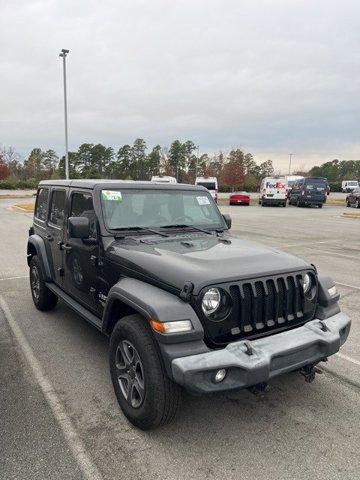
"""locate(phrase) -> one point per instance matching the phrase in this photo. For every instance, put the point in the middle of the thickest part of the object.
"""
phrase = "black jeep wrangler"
(184, 303)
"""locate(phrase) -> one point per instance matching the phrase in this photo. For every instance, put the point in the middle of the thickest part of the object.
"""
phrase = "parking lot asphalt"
(296, 431)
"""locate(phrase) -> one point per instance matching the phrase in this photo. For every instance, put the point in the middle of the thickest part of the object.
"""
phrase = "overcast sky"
(272, 76)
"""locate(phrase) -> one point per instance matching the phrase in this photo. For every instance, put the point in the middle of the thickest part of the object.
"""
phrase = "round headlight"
(306, 283)
(211, 301)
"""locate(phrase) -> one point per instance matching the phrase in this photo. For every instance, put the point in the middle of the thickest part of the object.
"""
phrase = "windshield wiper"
(184, 225)
(138, 229)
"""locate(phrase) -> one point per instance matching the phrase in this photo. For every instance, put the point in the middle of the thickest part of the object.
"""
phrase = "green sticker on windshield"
(112, 195)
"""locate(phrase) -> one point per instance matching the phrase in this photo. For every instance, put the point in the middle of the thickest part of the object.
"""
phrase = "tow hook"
(259, 389)
(308, 372)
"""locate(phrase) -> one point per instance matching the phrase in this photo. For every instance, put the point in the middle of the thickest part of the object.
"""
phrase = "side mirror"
(227, 219)
(79, 227)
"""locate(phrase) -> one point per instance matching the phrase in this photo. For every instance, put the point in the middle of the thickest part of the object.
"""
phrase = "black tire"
(284, 204)
(320, 205)
(348, 203)
(161, 397)
(298, 203)
(43, 298)
(357, 204)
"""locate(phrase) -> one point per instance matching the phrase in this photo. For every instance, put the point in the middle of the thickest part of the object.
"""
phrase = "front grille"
(262, 306)
(267, 303)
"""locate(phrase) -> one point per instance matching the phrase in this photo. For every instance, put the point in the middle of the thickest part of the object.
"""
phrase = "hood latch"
(186, 291)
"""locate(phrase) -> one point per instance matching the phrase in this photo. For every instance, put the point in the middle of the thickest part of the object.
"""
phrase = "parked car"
(239, 198)
(210, 183)
(348, 186)
(309, 191)
(273, 192)
(290, 181)
(164, 179)
(353, 199)
(185, 304)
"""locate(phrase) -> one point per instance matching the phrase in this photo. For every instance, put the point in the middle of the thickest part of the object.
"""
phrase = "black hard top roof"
(129, 184)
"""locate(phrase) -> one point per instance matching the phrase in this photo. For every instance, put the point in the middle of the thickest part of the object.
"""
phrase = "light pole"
(63, 54)
(290, 156)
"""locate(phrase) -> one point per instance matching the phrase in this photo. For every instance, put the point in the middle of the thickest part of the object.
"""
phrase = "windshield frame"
(142, 189)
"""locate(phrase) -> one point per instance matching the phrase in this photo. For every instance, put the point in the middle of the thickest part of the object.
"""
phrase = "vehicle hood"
(201, 260)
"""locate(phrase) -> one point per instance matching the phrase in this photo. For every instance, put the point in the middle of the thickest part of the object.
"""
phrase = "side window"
(82, 206)
(57, 207)
(42, 204)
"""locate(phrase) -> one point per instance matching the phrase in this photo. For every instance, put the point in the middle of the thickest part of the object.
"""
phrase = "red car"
(239, 198)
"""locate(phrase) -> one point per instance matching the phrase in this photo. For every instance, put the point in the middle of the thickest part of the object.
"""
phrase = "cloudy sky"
(271, 76)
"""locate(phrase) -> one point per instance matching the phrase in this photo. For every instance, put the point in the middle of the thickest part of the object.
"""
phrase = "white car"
(165, 179)
(349, 186)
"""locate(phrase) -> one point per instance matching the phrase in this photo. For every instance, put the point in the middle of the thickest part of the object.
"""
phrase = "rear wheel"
(320, 205)
(146, 395)
(357, 204)
(348, 203)
(43, 298)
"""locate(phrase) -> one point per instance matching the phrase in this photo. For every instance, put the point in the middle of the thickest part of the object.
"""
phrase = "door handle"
(49, 237)
(65, 247)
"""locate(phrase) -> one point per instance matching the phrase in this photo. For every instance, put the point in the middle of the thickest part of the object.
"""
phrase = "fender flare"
(38, 243)
(152, 303)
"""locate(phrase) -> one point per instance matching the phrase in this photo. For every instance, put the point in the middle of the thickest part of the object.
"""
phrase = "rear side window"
(82, 206)
(57, 208)
(42, 204)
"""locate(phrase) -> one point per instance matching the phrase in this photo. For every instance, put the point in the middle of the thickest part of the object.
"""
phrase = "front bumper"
(271, 356)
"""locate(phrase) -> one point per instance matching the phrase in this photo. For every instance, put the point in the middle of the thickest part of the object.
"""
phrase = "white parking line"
(352, 257)
(81, 456)
(307, 244)
(13, 278)
(349, 359)
(347, 285)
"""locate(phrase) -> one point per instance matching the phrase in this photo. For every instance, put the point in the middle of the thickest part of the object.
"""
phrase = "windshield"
(208, 185)
(154, 208)
(315, 184)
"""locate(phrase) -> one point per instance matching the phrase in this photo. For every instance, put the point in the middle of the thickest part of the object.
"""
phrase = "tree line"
(234, 169)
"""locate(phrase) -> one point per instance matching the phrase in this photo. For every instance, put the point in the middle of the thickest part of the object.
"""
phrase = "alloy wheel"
(130, 373)
(35, 282)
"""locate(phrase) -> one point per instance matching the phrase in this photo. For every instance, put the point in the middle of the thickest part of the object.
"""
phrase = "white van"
(164, 179)
(273, 191)
(349, 186)
(210, 183)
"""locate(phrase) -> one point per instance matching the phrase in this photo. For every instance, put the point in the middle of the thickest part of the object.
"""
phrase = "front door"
(55, 233)
(81, 257)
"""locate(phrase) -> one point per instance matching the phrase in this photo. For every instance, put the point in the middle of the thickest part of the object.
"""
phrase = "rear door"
(55, 233)
(315, 190)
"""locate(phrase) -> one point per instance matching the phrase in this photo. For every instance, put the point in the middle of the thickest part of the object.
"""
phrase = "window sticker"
(203, 200)
(112, 195)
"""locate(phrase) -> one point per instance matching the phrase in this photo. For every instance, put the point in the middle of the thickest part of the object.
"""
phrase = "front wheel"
(357, 204)
(146, 395)
(348, 203)
(43, 298)
(320, 205)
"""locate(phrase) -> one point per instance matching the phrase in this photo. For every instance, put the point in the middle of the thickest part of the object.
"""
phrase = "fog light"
(220, 375)
(333, 291)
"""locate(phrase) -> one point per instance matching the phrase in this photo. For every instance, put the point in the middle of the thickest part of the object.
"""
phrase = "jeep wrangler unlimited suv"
(184, 303)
